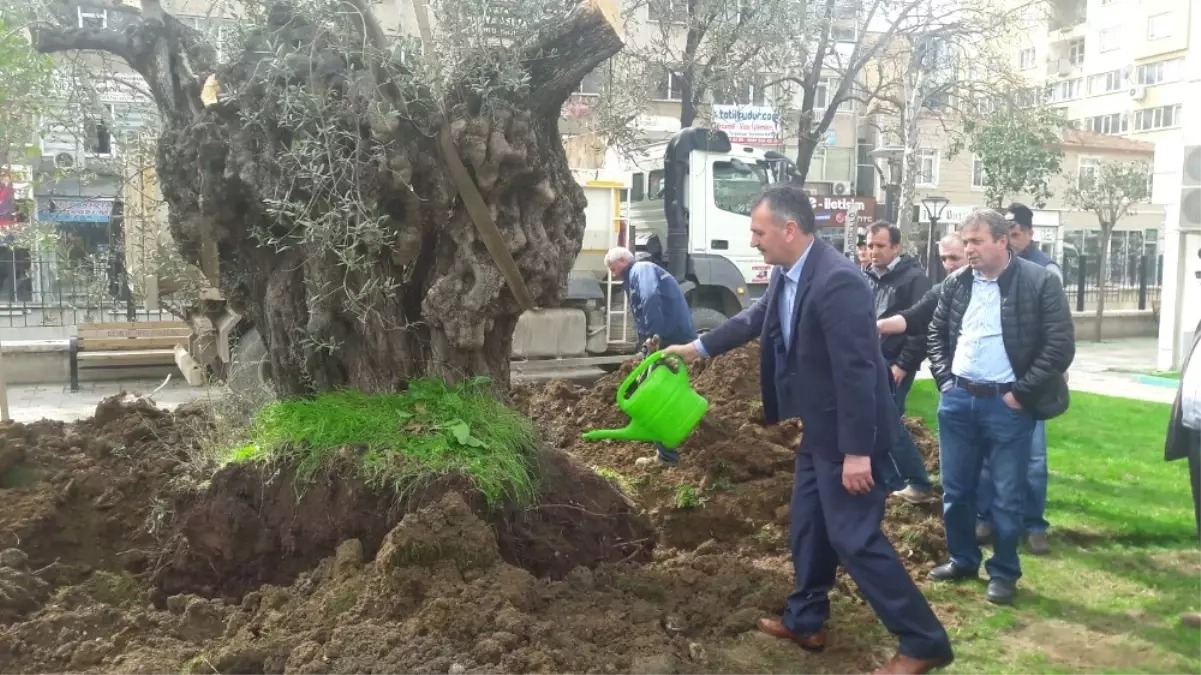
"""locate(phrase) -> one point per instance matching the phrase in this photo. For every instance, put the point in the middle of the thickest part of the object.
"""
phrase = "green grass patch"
(1124, 562)
(397, 440)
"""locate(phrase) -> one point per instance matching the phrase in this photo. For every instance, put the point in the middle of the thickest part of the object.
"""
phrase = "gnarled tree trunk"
(318, 184)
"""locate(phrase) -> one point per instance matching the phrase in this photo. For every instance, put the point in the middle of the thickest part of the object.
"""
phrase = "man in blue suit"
(821, 362)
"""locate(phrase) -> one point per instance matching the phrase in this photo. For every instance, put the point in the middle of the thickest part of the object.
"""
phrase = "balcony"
(1062, 67)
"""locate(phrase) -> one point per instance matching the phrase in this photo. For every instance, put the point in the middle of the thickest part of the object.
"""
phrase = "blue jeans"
(669, 455)
(1035, 519)
(906, 467)
(970, 429)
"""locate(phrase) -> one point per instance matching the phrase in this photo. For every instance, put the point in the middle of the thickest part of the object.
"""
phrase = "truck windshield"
(734, 189)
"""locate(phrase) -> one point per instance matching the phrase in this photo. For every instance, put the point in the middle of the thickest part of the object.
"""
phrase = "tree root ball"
(256, 526)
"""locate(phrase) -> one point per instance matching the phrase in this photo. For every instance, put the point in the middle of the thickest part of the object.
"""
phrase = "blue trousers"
(970, 429)
(1035, 510)
(666, 454)
(906, 466)
(830, 526)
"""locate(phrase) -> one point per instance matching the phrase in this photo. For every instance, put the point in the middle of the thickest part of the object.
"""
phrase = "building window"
(826, 89)
(1163, 117)
(977, 173)
(98, 137)
(1159, 72)
(1105, 83)
(1111, 39)
(213, 30)
(92, 17)
(1026, 58)
(668, 10)
(840, 32)
(1065, 90)
(1076, 52)
(669, 87)
(927, 167)
(739, 93)
(1117, 123)
(1087, 176)
(1159, 26)
(593, 83)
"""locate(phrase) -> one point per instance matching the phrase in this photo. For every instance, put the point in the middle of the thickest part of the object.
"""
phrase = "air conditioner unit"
(1138, 93)
(842, 188)
(64, 160)
(1190, 190)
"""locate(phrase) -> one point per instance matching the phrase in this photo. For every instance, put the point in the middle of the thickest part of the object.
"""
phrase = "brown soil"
(120, 560)
(252, 526)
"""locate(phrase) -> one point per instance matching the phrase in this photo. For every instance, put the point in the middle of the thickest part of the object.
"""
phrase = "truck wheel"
(250, 368)
(705, 319)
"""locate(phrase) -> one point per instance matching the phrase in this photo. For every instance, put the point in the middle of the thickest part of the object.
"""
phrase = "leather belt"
(983, 389)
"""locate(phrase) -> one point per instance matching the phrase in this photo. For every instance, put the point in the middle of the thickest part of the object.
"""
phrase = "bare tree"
(943, 71)
(697, 50)
(1111, 190)
(377, 216)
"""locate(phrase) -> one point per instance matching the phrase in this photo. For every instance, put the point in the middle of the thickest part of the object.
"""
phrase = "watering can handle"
(645, 365)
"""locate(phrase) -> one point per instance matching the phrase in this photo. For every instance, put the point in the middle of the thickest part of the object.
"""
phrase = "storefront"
(833, 213)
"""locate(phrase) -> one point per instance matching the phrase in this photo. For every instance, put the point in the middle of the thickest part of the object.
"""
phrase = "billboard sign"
(749, 124)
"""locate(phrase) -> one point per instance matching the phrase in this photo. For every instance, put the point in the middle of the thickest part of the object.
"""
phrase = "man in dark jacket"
(820, 361)
(1000, 341)
(1021, 242)
(916, 319)
(659, 308)
(898, 282)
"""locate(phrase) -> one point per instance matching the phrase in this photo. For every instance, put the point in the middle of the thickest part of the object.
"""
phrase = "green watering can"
(663, 407)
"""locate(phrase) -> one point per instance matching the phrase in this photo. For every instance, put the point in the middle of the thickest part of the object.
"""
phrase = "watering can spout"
(633, 432)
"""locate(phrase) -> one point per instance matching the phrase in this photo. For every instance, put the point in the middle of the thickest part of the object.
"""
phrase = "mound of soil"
(258, 525)
(84, 496)
(734, 482)
(114, 557)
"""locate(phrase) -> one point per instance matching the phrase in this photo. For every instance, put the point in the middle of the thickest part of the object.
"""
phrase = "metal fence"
(1132, 282)
(45, 289)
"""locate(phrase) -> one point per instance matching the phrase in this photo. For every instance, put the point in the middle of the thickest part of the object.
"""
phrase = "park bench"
(125, 345)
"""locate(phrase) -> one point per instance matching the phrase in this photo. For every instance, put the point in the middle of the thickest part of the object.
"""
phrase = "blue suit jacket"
(834, 372)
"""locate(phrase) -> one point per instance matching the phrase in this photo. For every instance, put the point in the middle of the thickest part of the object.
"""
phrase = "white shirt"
(1190, 394)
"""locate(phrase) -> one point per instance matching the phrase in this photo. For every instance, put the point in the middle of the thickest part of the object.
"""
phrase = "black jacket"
(1036, 325)
(898, 289)
(917, 323)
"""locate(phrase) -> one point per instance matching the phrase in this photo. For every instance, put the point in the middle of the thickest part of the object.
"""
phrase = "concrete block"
(550, 333)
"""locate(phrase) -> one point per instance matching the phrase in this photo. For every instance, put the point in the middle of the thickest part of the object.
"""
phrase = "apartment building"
(1112, 66)
(1115, 69)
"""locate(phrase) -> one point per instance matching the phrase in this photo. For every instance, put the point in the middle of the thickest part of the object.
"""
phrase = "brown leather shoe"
(813, 642)
(900, 664)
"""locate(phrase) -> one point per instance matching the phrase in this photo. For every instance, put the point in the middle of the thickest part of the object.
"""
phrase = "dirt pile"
(115, 556)
(256, 525)
(734, 482)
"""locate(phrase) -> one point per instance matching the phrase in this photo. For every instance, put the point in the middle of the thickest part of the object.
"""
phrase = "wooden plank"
(118, 325)
(131, 344)
(93, 333)
(130, 356)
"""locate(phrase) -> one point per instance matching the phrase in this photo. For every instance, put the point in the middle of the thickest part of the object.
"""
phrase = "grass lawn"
(1125, 562)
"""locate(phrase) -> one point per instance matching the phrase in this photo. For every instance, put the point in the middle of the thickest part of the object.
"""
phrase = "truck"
(684, 204)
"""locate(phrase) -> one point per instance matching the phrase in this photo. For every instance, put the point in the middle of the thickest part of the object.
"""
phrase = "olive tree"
(380, 206)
